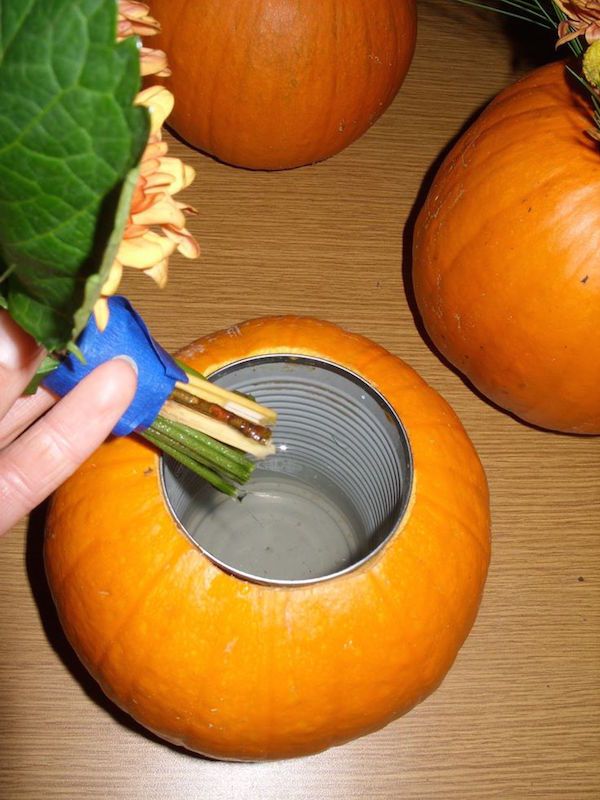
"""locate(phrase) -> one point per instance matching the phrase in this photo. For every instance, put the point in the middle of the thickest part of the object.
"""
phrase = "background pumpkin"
(273, 84)
(507, 255)
(238, 670)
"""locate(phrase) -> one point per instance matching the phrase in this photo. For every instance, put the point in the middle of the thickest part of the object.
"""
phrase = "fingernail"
(116, 392)
(129, 361)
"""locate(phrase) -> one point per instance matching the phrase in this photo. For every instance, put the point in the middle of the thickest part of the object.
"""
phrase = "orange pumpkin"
(507, 255)
(239, 670)
(278, 84)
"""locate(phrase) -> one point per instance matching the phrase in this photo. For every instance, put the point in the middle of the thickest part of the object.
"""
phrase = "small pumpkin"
(507, 255)
(238, 670)
(278, 84)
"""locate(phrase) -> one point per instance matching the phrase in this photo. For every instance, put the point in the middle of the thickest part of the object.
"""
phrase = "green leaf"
(47, 366)
(95, 282)
(69, 138)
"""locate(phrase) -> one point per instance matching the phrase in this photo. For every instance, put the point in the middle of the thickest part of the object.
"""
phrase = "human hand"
(36, 459)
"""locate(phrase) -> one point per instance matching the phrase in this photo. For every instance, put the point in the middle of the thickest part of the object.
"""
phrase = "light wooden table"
(518, 716)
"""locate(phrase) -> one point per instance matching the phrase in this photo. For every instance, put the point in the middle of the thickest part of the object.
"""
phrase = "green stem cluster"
(212, 460)
(528, 10)
(219, 464)
(215, 462)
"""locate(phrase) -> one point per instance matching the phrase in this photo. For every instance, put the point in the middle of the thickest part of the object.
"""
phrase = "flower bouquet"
(89, 189)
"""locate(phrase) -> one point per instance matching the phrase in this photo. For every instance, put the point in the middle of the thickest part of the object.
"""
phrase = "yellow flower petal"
(159, 273)
(101, 313)
(139, 14)
(161, 176)
(163, 212)
(159, 102)
(155, 151)
(114, 278)
(181, 174)
(157, 183)
(133, 231)
(186, 208)
(186, 244)
(154, 62)
(169, 177)
(144, 252)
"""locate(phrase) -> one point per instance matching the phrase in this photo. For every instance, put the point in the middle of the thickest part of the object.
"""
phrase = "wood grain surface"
(519, 714)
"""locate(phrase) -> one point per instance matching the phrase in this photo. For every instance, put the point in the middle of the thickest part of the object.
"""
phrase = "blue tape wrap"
(125, 335)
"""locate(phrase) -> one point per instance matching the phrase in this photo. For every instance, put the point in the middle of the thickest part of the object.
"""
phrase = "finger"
(22, 413)
(52, 449)
(19, 357)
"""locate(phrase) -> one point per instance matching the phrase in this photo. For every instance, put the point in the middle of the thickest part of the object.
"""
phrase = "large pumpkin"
(239, 670)
(273, 84)
(507, 255)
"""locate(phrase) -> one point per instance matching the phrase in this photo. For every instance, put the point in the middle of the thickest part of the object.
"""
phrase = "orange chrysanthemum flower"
(583, 19)
(156, 226)
(134, 20)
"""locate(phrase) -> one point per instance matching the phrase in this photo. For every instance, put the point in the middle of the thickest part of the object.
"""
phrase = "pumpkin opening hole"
(331, 496)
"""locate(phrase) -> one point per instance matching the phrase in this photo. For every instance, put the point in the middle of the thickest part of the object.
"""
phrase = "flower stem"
(213, 454)
(171, 449)
(211, 459)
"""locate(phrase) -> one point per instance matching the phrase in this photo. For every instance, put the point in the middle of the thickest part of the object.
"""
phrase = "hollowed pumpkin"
(239, 670)
(279, 84)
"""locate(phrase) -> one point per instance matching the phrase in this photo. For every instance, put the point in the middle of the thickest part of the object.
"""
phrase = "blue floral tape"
(125, 335)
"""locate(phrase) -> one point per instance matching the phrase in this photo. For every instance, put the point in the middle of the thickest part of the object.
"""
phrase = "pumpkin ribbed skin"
(274, 84)
(239, 670)
(507, 255)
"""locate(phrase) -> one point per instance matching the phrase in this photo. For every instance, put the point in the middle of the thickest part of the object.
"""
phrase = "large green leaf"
(69, 138)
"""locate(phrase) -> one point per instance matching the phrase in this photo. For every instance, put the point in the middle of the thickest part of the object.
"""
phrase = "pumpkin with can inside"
(248, 666)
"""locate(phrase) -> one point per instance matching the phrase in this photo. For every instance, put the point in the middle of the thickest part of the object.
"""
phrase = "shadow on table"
(34, 560)
(531, 44)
